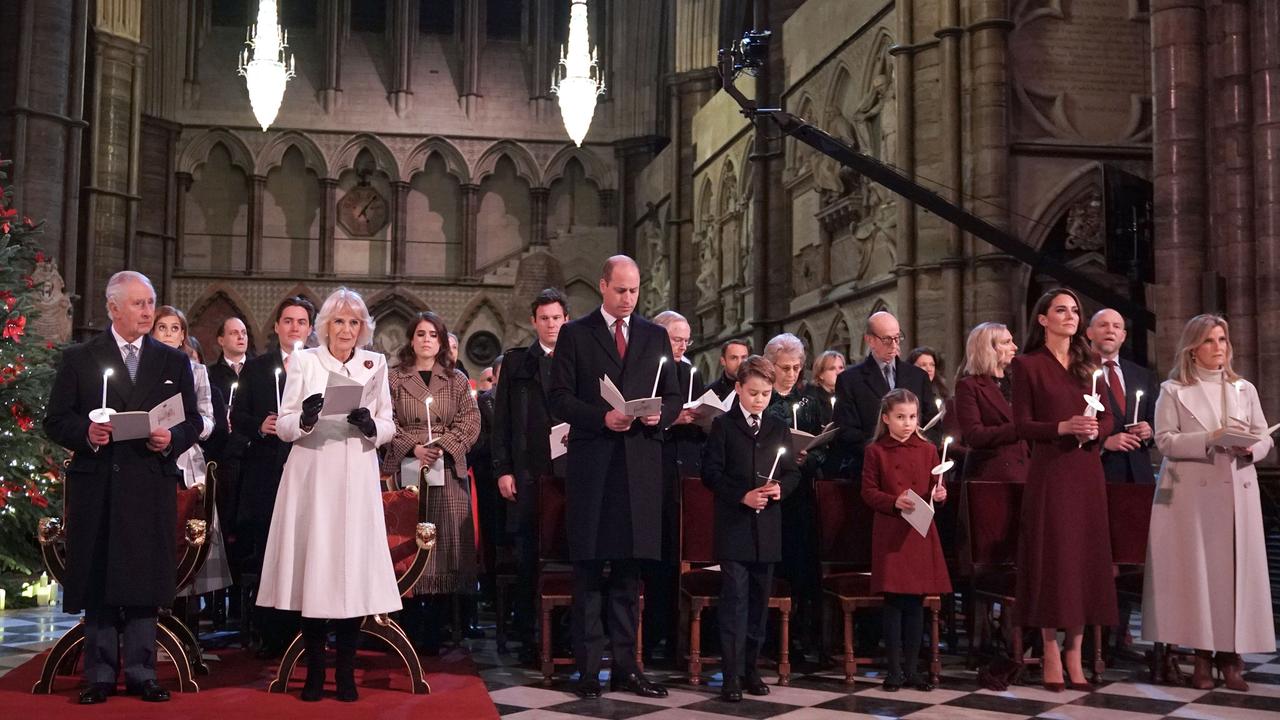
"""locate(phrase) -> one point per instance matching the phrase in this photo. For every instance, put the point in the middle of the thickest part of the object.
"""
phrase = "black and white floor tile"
(815, 693)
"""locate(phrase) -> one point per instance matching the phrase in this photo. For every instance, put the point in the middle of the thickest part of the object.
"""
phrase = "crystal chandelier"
(576, 82)
(265, 65)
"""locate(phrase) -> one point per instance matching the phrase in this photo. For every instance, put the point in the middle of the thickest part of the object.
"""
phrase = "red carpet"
(236, 688)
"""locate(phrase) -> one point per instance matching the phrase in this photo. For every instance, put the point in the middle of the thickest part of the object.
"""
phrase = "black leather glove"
(311, 410)
(361, 419)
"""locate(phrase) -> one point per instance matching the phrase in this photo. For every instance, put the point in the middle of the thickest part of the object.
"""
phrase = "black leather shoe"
(731, 691)
(637, 684)
(149, 691)
(921, 682)
(754, 685)
(97, 693)
(892, 683)
(587, 688)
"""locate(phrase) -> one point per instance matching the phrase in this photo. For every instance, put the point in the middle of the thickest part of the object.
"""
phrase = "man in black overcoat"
(121, 496)
(614, 482)
(253, 416)
(861, 387)
(520, 445)
(233, 339)
(1126, 452)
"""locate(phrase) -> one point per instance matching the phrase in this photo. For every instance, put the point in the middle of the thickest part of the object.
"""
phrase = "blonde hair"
(784, 343)
(892, 399)
(980, 355)
(1194, 332)
(825, 358)
(344, 299)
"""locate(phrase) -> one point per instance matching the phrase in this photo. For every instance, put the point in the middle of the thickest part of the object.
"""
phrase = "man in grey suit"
(121, 494)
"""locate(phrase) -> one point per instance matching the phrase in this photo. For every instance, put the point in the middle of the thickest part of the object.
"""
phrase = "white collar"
(229, 361)
(1114, 358)
(609, 320)
(121, 342)
(747, 415)
(545, 350)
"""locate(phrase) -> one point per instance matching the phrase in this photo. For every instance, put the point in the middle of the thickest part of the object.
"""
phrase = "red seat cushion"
(844, 523)
(697, 508)
(707, 583)
(400, 510)
(849, 585)
(553, 535)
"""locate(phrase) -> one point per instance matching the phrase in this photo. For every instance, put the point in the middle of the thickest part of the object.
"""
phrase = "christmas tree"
(30, 486)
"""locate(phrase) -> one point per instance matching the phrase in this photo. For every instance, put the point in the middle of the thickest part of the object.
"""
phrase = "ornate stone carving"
(708, 263)
(1085, 228)
(53, 307)
(657, 265)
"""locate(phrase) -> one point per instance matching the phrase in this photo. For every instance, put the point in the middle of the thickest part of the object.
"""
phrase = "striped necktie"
(131, 361)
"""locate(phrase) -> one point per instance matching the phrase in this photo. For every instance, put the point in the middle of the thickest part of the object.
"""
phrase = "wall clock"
(363, 211)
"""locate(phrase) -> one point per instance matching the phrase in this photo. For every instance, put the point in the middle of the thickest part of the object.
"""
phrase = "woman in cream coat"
(1206, 583)
(327, 553)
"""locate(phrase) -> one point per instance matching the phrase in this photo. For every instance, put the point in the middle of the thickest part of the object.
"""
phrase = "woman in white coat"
(1206, 583)
(326, 554)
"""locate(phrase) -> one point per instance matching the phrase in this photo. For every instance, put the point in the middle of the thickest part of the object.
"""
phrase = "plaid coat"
(455, 417)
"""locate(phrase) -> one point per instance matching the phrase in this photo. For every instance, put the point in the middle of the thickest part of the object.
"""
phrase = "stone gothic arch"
(197, 150)
(272, 155)
(526, 166)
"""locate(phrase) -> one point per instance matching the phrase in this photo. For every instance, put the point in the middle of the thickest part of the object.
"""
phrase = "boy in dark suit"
(749, 464)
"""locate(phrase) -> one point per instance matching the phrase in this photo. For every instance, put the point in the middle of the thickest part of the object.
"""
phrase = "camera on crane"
(749, 53)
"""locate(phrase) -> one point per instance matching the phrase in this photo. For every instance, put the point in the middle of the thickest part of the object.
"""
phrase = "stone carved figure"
(708, 263)
(53, 318)
(659, 266)
(1084, 224)
(832, 179)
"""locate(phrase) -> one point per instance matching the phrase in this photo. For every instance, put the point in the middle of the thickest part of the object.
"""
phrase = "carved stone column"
(182, 186)
(404, 36)
(949, 35)
(473, 35)
(328, 217)
(335, 16)
(904, 93)
(470, 199)
(399, 228)
(1177, 41)
(631, 156)
(538, 215)
(687, 92)
(197, 14)
(1231, 149)
(253, 247)
(1264, 45)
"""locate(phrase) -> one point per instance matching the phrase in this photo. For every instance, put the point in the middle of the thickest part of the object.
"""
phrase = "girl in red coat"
(905, 567)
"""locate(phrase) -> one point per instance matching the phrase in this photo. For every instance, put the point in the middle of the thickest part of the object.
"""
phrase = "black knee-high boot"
(313, 640)
(348, 637)
(892, 623)
(912, 634)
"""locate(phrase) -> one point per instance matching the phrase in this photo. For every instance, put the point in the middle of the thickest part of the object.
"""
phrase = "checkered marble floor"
(815, 692)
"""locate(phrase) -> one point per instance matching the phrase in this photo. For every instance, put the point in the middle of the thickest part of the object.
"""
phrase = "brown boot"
(1202, 675)
(1231, 665)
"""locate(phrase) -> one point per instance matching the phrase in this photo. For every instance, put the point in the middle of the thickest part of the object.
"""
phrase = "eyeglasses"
(892, 340)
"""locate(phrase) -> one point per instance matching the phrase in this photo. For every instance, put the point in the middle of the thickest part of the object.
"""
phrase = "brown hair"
(756, 366)
(549, 296)
(296, 301)
(1080, 356)
(940, 389)
(165, 311)
(724, 349)
(891, 400)
(405, 357)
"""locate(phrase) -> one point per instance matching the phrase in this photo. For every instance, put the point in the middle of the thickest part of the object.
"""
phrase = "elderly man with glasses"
(860, 387)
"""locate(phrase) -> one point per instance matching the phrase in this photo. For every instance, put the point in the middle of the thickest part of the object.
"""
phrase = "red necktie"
(619, 339)
(1115, 385)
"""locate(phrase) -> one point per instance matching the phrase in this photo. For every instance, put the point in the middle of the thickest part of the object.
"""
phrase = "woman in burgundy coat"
(1064, 548)
(984, 417)
(905, 566)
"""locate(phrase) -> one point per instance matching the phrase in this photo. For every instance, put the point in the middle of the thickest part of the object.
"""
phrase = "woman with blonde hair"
(983, 411)
(1206, 581)
(326, 554)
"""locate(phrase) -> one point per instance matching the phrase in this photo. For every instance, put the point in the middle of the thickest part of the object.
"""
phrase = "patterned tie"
(131, 361)
(887, 369)
(237, 367)
(619, 339)
(755, 424)
(1115, 385)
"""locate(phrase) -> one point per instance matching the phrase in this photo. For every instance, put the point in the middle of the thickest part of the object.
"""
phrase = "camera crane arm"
(751, 54)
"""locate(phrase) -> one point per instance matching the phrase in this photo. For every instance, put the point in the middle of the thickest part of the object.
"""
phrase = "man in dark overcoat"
(121, 496)
(615, 479)
(253, 416)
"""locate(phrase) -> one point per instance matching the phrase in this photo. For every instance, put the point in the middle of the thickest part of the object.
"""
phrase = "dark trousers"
(589, 592)
(103, 628)
(903, 628)
(524, 603)
(744, 612)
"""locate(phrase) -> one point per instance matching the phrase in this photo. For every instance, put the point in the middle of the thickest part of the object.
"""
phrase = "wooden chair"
(411, 539)
(700, 588)
(555, 586)
(195, 508)
(844, 550)
(1129, 517)
(990, 551)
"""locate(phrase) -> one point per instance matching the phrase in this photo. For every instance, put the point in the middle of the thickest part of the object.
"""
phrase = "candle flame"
(297, 345)
(782, 451)
(278, 371)
(936, 401)
(108, 372)
(1097, 373)
(430, 400)
(693, 370)
(948, 440)
(1138, 393)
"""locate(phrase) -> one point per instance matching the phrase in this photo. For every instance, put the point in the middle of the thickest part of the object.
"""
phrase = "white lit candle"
(661, 361)
(105, 374)
(3, 598)
(278, 371)
(833, 403)
(429, 401)
(692, 370)
(781, 451)
(937, 403)
(1137, 403)
(232, 397)
(1096, 374)
(946, 443)
(795, 416)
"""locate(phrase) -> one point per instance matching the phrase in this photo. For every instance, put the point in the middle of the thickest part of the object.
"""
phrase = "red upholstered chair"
(700, 588)
(1129, 517)
(195, 509)
(844, 551)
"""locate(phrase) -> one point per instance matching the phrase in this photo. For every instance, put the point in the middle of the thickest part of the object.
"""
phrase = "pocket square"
(168, 382)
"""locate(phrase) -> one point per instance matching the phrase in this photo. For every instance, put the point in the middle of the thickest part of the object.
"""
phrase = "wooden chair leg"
(850, 664)
(1099, 666)
(935, 655)
(784, 647)
(682, 630)
(639, 636)
(695, 645)
(548, 666)
(1018, 661)
(1157, 663)
(974, 630)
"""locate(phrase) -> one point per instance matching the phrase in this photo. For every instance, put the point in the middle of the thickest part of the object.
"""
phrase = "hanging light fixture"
(576, 81)
(265, 65)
